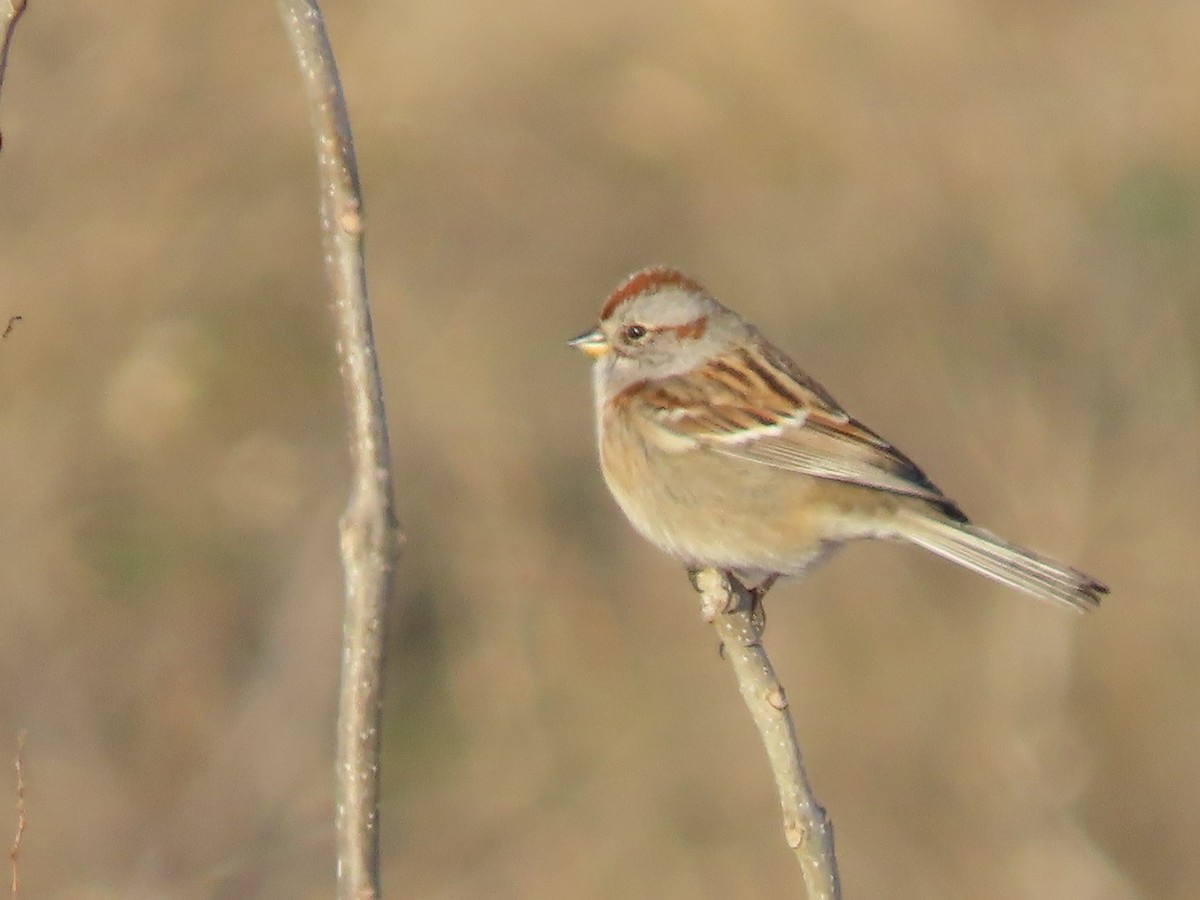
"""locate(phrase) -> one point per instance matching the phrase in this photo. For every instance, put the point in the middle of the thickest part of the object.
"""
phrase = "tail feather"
(1008, 564)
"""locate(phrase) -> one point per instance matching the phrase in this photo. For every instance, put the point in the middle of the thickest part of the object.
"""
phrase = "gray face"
(660, 334)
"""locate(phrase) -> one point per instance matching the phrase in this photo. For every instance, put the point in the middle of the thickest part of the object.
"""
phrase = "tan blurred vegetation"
(976, 222)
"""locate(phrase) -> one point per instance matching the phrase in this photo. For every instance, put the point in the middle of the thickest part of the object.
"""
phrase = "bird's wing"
(755, 404)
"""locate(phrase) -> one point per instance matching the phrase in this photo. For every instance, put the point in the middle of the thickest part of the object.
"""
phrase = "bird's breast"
(709, 509)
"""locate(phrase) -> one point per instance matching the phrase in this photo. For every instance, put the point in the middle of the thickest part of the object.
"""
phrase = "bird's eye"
(635, 332)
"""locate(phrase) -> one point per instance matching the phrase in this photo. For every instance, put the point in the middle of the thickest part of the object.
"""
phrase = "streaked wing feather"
(807, 451)
(755, 404)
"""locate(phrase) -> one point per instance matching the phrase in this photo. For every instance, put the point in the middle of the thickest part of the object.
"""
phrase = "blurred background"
(975, 222)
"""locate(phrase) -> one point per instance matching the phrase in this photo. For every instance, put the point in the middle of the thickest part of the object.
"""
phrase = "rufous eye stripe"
(692, 330)
(648, 281)
(687, 331)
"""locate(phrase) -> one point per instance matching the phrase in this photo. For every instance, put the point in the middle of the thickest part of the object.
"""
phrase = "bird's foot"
(758, 612)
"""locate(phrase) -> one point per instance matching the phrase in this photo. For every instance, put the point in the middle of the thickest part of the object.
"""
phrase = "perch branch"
(728, 605)
(370, 536)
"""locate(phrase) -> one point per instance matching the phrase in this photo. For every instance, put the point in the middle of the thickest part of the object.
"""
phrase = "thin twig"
(12, 322)
(10, 14)
(15, 852)
(727, 604)
(370, 536)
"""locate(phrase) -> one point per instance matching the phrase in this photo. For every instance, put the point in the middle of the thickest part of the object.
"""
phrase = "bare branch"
(15, 852)
(727, 604)
(370, 536)
(10, 14)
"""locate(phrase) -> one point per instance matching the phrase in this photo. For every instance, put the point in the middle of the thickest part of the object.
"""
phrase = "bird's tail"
(1008, 564)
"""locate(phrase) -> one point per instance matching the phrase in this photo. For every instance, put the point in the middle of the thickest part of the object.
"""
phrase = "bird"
(723, 453)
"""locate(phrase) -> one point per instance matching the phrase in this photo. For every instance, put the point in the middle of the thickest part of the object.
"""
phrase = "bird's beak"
(593, 343)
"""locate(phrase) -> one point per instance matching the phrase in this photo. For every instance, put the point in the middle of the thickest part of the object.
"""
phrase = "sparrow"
(723, 453)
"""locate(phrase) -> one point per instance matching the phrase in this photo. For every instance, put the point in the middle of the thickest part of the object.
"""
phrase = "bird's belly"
(712, 510)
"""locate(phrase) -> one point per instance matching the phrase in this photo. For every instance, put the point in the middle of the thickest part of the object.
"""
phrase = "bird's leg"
(760, 590)
(758, 612)
(711, 607)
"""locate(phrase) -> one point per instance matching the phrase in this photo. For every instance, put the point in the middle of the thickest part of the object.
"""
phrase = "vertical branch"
(14, 853)
(727, 604)
(10, 14)
(370, 537)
